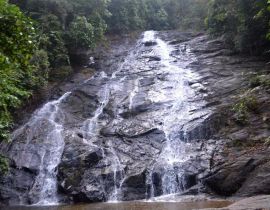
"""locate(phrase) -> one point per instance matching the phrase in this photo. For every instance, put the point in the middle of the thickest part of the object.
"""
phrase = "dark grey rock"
(129, 137)
(150, 43)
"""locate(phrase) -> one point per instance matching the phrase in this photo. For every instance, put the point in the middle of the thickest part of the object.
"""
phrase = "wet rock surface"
(240, 168)
(156, 119)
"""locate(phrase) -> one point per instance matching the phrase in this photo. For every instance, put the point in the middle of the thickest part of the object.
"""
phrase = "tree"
(81, 33)
(18, 44)
(243, 23)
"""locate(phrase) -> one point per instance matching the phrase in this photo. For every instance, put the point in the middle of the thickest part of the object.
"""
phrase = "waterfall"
(132, 115)
(174, 152)
(45, 186)
(133, 93)
(90, 126)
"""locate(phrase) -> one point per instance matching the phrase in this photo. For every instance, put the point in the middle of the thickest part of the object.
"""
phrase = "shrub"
(242, 108)
(41, 64)
(4, 166)
(260, 80)
(255, 81)
(267, 141)
(60, 73)
(17, 41)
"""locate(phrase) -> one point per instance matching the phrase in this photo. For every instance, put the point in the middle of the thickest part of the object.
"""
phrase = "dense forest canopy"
(244, 24)
(39, 37)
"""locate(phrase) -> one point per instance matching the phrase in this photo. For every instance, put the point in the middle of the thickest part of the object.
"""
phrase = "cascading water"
(90, 126)
(174, 152)
(45, 186)
(129, 124)
(133, 93)
(91, 129)
(117, 169)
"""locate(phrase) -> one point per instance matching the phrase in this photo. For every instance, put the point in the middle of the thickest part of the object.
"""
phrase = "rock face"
(89, 172)
(153, 121)
(240, 167)
(252, 203)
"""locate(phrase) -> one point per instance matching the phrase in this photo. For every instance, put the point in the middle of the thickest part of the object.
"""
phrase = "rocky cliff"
(160, 116)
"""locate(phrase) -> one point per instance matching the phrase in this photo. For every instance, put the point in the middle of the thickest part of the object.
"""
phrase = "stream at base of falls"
(133, 206)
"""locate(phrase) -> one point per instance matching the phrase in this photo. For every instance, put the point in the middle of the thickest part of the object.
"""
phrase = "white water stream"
(175, 89)
(45, 186)
(175, 151)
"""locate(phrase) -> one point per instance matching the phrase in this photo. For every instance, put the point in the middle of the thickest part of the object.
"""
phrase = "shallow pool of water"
(132, 206)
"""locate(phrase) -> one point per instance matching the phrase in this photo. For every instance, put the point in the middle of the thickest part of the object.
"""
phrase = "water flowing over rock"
(135, 130)
(37, 149)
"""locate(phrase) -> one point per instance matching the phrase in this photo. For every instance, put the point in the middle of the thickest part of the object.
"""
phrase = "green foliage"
(267, 141)
(255, 81)
(59, 73)
(51, 39)
(187, 14)
(243, 107)
(244, 24)
(245, 143)
(81, 33)
(4, 166)
(237, 143)
(17, 75)
(17, 40)
(41, 64)
(57, 51)
(66, 26)
(241, 112)
(129, 15)
(260, 80)
(99, 26)
(126, 15)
